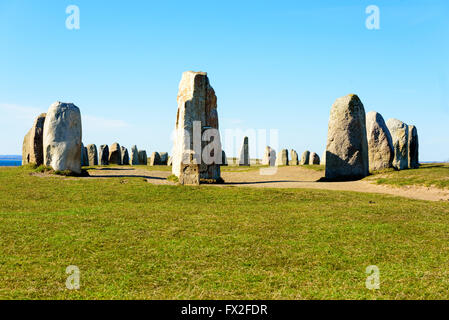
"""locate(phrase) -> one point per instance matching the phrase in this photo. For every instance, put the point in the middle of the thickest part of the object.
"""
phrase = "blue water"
(10, 161)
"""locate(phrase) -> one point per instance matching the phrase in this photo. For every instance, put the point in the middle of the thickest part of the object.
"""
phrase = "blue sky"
(273, 64)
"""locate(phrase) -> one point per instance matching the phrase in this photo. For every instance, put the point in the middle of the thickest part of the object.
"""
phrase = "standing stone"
(305, 158)
(244, 153)
(347, 146)
(125, 156)
(269, 157)
(134, 156)
(164, 158)
(413, 147)
(92, 155)
(399, 135)
(224, 160)
(62, 137)
(155, 159)
(104, 155)
(143, 158)
(380, 144)
(115, 154)
(282, 158)
(294, 158)
(84, 156)
(197, 115)
(33, 143)
(314, 159)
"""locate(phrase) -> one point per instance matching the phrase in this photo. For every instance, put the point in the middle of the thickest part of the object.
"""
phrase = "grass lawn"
(131, 239)
(429, 175)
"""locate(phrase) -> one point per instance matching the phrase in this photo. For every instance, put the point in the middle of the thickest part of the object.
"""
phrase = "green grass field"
(134, 240)
(428, 175)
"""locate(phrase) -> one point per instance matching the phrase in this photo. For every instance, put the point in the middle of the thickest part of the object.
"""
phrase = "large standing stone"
(104, 155)
(269, 157)
(282, 158)
(347, 146)
(224, 160)
(294, 158)
(314, 159)
(164, 158)
(244, 153)
(143, 158)
(305, 158)
(33, 143)
(134, 156)
(155, 159)
(399, 135)
(62, 137)
(197, 115)
(413, 147)
(92, 155)
(115, 154)
(380, 145)
(125, 156)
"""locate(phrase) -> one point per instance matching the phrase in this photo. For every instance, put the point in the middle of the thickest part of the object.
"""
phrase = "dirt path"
(284, 177)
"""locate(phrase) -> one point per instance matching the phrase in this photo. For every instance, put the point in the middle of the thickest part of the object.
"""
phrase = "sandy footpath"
(284, 177)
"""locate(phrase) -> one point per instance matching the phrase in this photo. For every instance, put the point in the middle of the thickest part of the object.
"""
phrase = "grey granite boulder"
(399, 134)
(125, 156)
(92, 155)
(413, 147)
(282, 158)
(62, 137)
(115, 154)
(380, 144)
(33, 143)
(305, 158)
(347, 145)
(104, 155)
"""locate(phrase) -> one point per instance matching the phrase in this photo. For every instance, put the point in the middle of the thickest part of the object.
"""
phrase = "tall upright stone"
(413, 147)
(155, 159)
(399, 134)
(84, 156)
(293, 158)
(305, 158)
(104, 155)
(33, 143)
(134, 156)
(115, 154)
(125, 156)
(244, 153)
(197, 116)
(269, 157)
(347, 145)
(282, 158)
(380, 144)
(62, 137)
(314, 159)
(143, 158)
(163, 158)
(92, 155)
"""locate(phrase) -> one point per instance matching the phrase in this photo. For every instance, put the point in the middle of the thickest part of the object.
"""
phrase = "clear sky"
(273, 64)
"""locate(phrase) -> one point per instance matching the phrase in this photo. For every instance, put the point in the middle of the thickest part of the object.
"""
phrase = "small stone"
(294, 158)
(399, 134)
(125, 156)
(314, 159)
(244, 153)
(134, 156)
(143, 159)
